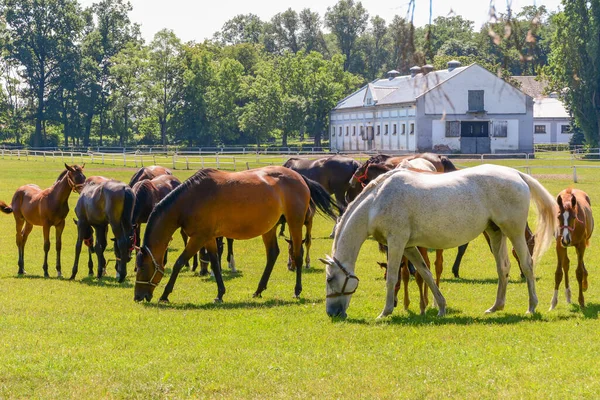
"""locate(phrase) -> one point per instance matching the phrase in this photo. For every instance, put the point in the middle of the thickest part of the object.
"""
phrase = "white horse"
(405, 209)
(417, 163)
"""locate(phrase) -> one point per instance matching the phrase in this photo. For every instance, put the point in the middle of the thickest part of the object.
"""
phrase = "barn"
(464, 109)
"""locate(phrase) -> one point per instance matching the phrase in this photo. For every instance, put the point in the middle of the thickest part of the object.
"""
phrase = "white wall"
(510, 142)
(452, 96)
(542, 137)
(562, 137)
(438, 135)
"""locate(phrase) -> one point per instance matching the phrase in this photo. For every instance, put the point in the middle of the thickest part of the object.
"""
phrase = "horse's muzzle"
(336, 312)
(142, 296)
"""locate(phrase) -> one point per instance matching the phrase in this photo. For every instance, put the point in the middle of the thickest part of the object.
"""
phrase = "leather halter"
(74, 186)
(570, 228)
(157, 269)
(362, 178)
(348, 277)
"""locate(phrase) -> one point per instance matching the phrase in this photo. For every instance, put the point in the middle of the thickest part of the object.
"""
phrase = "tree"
(347, 21)
(402, 44)
(165, 78)
(41, 34)
(573, 64)
(286, 28)
(243, 28)
(311, 35)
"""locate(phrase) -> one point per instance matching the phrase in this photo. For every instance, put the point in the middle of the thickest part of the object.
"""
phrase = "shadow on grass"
(233, 305)
(227, 276)
(105, 281)
(589, 312)
(484, 281)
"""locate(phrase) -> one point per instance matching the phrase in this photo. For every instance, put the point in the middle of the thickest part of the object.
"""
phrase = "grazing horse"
(150, 172)
(105, 202)
(48, 207)
(404, 209)
(238, 205)
(576, 227)
(332, 172)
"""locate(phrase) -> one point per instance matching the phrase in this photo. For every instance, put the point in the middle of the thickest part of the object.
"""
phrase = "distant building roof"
(549, 107)
(531, 86)
(401, 89)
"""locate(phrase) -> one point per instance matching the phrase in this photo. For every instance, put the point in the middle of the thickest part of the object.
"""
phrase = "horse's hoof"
(218, 300)
(72, 278)
(257, 295)
(22, 272)
(163, 300)
(59, 274)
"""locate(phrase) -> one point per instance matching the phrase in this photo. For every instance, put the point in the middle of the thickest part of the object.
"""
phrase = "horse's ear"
(559, 201)
(327, 260)
(573, 201)
(69, 168)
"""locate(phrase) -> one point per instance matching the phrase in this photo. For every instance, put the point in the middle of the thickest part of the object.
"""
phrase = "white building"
(458, 109)
(551, 121)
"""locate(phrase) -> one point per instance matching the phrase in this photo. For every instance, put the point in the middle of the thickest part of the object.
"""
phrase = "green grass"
(89, 339)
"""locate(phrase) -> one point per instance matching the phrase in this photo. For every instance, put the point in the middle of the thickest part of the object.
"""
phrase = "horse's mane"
(380, 167)
(448, 165)
(143, 192)
(365, 192)
(378, 159)
(165, 204)
(62, 174)
(136, 176)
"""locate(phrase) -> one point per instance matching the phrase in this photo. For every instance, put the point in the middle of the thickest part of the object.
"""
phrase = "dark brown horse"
(576, 227)
(237, 205)
(48, 207)
(150, 172)
(331, 172)
(105, 202)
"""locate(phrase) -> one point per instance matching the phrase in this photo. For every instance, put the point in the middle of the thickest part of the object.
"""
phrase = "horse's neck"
(163, 228)
(352, 234)
(61, 191)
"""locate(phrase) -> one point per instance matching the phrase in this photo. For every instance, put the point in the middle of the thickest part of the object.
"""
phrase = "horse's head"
(124, 246)
(360, 176)
(149, 274)
(75, 176)
(341, 284)
(567, 216)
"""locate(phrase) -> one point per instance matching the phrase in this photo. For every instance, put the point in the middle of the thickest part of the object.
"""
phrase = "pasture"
(89, 339)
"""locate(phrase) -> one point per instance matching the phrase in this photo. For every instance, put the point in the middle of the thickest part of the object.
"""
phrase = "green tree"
(41, 34)
(287, 29)
(402, 43)
(311, 35)
(573, 62)
(347, 21)
(243, 28)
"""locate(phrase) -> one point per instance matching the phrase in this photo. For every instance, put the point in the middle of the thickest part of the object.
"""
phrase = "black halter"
(348, 277)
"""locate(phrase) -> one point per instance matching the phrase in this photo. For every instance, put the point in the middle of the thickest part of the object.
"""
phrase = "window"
(452, 128)
(566, 129)
(412, 129)
(404, 129)
(362, 132)
(500, 128)
(354, 131)
(476, 100)
(385, 129)
(333, 131)
(340, 134)
(395, 131)
(378, 130)
(347, 130)
(539, 128)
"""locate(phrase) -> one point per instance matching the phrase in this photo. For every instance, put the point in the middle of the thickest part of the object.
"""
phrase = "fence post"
(174, 155)
(574, 174)
(218, 161)
(102, 158)
(202, 161)
(234, 164)
(247, 165)
(125, 159)
(18, 154)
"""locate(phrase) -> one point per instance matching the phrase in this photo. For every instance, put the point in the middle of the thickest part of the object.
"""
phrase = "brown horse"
(48, 207)
(237, 205)
(576, 227)
(331, 172)
(150, 172)
(104, 202)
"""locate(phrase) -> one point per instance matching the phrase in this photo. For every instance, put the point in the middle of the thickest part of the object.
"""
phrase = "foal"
(576, 227)
(45, 207)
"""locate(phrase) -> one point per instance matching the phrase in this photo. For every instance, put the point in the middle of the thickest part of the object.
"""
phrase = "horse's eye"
(329, 279)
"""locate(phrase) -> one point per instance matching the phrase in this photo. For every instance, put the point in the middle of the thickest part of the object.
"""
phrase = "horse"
(404, 209)
(89, 243)
(150, 172)
(47, 208)
(576, 227)
(238, 205)
(104, 202)
(332, 172)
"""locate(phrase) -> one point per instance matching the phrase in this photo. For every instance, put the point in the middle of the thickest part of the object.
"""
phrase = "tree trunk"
(101, 127)
(39, 116)
(284, 139)
(163, 130)
(318, 138)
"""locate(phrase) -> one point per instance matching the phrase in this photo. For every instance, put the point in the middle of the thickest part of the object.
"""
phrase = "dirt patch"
(552, 176)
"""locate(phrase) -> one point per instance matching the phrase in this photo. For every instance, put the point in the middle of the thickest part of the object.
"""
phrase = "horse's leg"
(90, 261)
(415, 257)
(24, 235)
(185, 239)
(59, 231)
(203, 262)
(101, 232)
(230, 258)
(46, 230)
(213, 250)
(581, 273)
(405, 276)
(308, 240)
(461, 252)
(497, 241)
(520, 245)
(272, 248)
(282, 231)
(78, 251)
(439, 268)
(423, 294)
(561, 252)
(394, 261)
(193, 246)
(19, 240)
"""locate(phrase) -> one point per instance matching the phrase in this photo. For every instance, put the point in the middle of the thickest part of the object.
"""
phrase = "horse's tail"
(321, 200)
(448, 165)
(547, 223)
(5, 208)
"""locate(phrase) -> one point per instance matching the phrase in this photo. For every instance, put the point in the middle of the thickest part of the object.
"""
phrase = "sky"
(194, 20)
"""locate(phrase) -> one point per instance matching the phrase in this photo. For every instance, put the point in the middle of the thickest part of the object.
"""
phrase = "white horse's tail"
(547, 222)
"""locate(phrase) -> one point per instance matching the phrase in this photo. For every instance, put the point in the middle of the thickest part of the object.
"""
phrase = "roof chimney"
(452, 64)
(392, 74)
(414, 71)
(427, 69)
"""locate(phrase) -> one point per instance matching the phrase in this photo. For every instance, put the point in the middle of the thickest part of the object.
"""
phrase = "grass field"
(89, 339)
